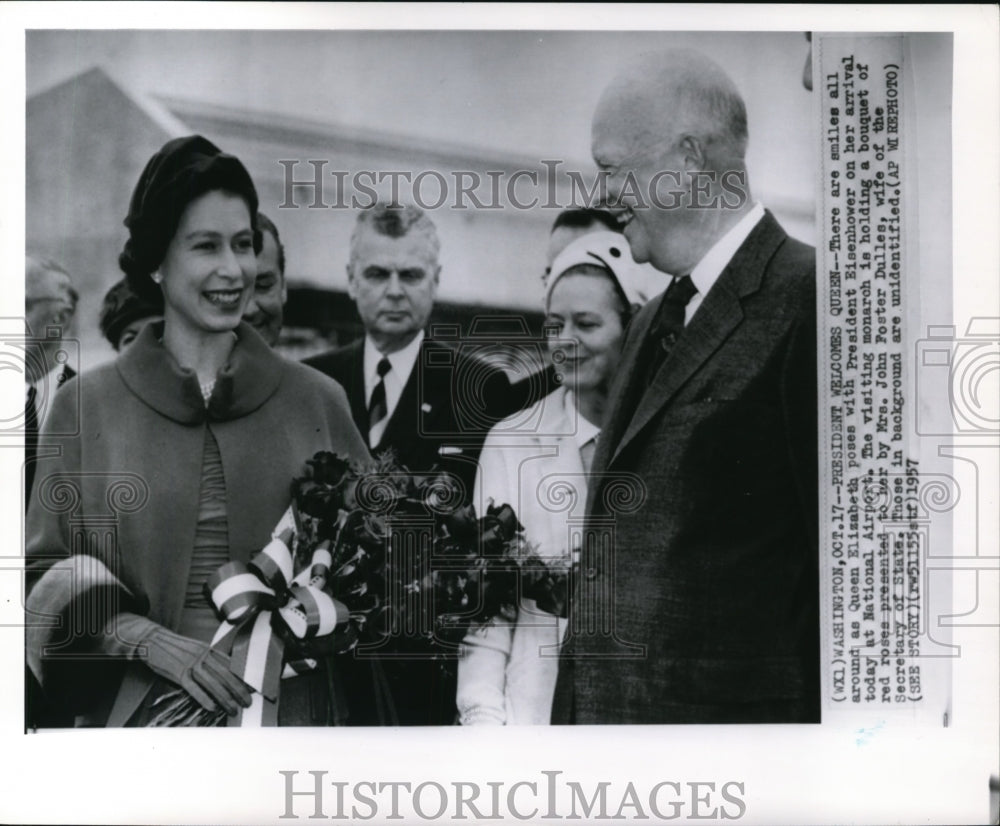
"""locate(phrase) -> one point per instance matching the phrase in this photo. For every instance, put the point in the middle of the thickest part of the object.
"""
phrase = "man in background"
(49, 308)
(265, 312)
(429, 402)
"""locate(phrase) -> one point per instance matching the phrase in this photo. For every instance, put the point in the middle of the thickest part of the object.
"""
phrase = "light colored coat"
(530, 461)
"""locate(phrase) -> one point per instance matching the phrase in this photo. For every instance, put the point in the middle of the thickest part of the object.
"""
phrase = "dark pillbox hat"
(184, 169)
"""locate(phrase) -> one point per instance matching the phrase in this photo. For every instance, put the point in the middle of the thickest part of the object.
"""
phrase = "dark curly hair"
(121, 307)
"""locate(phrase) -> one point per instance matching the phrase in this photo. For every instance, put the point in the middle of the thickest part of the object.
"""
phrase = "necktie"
(377, 406)
(668, 324)
(30, 440)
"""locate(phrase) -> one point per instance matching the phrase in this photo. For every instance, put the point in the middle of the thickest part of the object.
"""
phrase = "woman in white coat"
(537, 461)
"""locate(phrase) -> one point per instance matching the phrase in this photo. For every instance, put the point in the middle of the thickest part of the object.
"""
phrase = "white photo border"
(790, 774)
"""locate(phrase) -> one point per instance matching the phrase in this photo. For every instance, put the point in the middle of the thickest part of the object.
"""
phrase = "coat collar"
(719, 314)
(557, 417)
(249, 378)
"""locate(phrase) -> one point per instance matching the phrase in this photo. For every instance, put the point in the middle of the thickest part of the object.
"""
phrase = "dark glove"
(201, 671)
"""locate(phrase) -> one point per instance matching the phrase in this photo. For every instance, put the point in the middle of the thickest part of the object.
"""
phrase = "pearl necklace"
(208, 386)
(206, 389)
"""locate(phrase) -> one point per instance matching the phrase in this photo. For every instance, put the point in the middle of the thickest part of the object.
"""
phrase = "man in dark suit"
(705, 594)
(427, 401)
(49, 307)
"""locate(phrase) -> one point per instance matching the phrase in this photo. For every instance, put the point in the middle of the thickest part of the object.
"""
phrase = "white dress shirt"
(402, 362)
(708, 270)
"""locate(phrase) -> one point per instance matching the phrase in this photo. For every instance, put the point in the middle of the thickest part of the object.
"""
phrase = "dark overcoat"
(701, 605)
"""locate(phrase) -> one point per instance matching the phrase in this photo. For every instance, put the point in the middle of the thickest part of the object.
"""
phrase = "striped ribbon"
(260, 602)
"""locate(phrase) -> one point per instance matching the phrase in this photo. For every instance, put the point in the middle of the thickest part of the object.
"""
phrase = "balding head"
(665, 96)
(670, 131)
(49, 306)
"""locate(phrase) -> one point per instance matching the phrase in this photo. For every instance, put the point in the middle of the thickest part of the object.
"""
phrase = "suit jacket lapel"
(356, 387)
(622, 394)
(719, 314)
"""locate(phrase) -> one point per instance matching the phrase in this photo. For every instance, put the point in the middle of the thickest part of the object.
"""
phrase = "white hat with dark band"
(609, 250)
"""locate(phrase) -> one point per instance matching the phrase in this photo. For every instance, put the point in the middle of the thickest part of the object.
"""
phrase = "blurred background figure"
(265, 311)
(49, 309)
(428, 402)
(570, 224)
(124, 314)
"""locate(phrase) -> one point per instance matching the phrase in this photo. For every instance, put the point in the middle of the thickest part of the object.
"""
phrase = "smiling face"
(646, 177)
(585, 309)
(266, 307)
(208, 271)
(394, 282)
(667, 132)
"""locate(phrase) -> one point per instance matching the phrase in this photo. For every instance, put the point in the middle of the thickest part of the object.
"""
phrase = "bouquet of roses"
(364, 555)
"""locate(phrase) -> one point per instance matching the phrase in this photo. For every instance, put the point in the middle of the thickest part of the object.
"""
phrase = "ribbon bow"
(260, 603)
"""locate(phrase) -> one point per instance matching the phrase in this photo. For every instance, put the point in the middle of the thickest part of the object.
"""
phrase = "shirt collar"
(585, 430)
(708, 270)
(402, 361)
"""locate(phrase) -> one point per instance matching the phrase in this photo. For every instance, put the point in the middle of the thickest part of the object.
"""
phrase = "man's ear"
(351, 286)
(692, 149)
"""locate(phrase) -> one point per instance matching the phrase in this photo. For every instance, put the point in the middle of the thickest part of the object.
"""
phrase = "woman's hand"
(201, 671)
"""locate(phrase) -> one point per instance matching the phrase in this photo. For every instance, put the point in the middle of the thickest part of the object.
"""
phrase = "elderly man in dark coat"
(701, 604)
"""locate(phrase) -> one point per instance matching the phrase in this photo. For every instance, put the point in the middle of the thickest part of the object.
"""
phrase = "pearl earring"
(157, 278)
